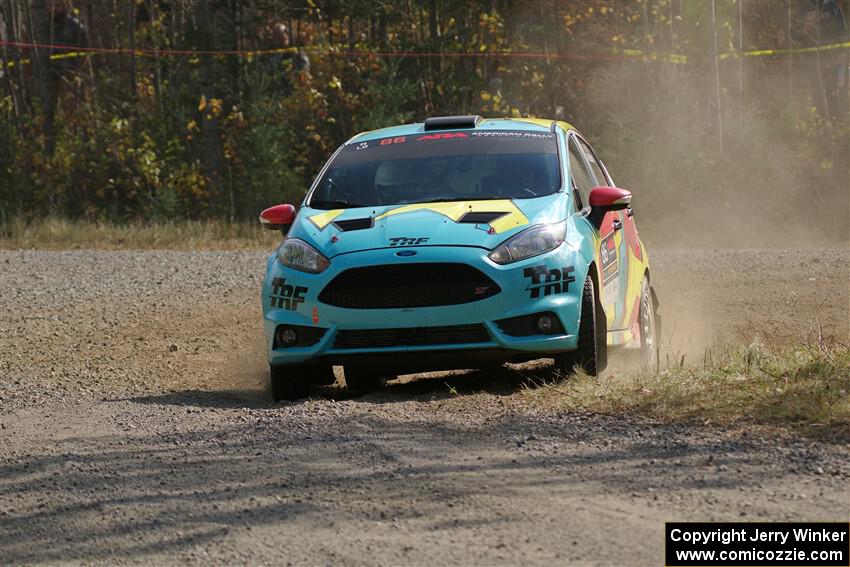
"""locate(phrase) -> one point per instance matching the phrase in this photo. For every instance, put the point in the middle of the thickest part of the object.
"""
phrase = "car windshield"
(441, 166)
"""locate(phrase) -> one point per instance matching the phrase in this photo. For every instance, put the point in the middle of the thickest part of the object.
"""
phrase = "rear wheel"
(288, 382)
(591, 352)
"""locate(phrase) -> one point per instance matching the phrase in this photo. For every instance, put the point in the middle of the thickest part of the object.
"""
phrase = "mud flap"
(602, 337)
(655, 305)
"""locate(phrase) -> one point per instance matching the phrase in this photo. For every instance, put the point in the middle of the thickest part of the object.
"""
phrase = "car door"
(612, 260)
(630, 233)
(634, 261)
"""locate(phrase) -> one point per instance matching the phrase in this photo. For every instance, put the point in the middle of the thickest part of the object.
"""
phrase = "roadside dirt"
(135, 428)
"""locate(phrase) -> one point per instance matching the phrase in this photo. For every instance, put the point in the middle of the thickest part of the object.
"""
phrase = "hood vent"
(354, 224)
(480, 217)
(452, 122)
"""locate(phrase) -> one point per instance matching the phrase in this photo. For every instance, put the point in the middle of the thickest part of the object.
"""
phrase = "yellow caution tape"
(655, 56)
(764, 52)
(675, 58)
(155, 53)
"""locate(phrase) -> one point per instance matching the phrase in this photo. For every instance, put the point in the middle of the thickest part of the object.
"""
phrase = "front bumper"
(545, 283)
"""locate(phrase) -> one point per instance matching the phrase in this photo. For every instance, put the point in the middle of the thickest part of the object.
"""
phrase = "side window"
(611, 181)
(594, 163)
(580, 175)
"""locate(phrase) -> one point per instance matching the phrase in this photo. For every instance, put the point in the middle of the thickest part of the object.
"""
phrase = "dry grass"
(57, 233)
(806, 387)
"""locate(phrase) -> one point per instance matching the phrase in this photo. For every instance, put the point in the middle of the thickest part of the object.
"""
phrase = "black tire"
(321, 374)
(647, 319)
(288, 382)
(591, 352)
(362, 381)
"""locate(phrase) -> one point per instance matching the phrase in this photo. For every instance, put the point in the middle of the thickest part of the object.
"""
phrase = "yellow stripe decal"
(512, 218)
(324, 219)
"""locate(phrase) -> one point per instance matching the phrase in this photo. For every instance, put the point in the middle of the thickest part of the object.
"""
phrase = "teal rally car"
(455, 243)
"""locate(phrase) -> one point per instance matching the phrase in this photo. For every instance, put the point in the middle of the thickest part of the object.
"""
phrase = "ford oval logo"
(406, 253)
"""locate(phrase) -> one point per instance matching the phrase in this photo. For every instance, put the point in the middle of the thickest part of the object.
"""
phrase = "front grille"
(416, 336)
(392, 286)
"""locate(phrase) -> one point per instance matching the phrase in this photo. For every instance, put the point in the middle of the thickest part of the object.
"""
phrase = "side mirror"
(610, 198)
(604, 199)
(278, 217)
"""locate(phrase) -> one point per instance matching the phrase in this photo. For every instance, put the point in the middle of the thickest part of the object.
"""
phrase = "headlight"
(299, 255)
(532, 242)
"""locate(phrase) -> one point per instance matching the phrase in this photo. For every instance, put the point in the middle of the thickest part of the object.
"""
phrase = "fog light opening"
(545, 323)
(286, 336)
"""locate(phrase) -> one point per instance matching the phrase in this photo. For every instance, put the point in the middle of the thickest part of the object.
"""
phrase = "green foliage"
(806, 387)
(58, 233)
(158, 138)
(388, 103)
(264, 165)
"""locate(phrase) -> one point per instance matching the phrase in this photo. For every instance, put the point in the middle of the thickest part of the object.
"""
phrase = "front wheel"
(288, 382)
(591, 351)
(361, 381)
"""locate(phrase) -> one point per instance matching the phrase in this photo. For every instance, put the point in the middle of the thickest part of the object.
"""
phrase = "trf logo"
(407, 241)
(286, 296)
(549, 281)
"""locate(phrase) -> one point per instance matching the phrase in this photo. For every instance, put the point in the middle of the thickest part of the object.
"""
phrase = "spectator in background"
(834, 29)
(66, 29)
(824, 23)
(292, 65)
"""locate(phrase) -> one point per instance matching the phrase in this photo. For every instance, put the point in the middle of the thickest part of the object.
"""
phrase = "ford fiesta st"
(455, 243)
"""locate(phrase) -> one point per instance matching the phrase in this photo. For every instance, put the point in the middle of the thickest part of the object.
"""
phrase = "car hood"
(483, 224)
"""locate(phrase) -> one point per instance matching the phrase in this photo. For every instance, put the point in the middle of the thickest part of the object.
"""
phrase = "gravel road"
(134, 428)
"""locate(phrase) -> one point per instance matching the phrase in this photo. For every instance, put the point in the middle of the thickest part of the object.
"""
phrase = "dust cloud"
(764, 164)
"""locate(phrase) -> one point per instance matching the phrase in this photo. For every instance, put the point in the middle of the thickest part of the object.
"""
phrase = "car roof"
(514, 124)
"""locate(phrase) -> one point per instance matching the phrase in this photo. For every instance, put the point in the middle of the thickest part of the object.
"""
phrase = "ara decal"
(445, 136)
